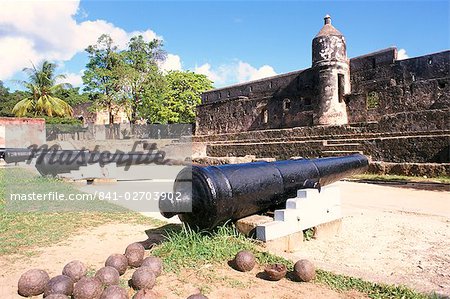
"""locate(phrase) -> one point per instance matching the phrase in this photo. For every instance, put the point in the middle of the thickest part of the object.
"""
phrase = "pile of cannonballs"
(304, 270)
(73, 282)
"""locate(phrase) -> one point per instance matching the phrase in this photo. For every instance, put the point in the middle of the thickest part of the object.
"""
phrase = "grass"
(21, 232)
(186, 248)
(401, 178)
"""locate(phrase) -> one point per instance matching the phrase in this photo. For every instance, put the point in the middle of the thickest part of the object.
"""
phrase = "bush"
(62, 120)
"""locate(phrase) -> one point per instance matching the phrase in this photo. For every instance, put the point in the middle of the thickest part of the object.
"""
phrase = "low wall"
(429, 170)
(419, 149)
(18, 132)
(117, 132)
(404, 123)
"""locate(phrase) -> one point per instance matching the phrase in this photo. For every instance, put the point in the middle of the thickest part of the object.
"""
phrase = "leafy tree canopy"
(183, 94)
(141, 75)
(103, 75)
(8, 100)
(72, 96)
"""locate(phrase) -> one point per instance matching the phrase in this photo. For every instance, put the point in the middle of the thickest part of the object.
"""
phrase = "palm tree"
(41, 88)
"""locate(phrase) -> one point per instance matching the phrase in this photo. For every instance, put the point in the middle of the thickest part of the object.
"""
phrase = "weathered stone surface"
(290, 243)
(411, 169)
(423, 149)
(287, 100)
(330, 62)
(248, 224)
(206, 160)
(327, 230)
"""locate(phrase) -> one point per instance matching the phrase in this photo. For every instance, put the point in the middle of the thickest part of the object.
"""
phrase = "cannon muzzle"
(208, 196)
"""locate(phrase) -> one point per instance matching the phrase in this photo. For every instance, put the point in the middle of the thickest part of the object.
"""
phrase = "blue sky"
(232, 41)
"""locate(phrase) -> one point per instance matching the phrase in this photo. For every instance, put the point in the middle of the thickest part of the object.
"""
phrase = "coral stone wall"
(21, 132)
(283, 101)
(380, 85)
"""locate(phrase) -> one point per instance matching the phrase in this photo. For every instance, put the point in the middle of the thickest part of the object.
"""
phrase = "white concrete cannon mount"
(309, 209)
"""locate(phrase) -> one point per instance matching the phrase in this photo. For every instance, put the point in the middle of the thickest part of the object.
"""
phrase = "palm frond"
(42, 87)
(23, 107)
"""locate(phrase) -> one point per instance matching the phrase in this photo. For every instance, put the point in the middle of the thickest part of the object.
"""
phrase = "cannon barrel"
(51, 161)
(217, 194)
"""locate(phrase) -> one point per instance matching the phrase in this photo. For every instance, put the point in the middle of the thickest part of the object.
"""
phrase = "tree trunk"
(111, 123)
(134, 113)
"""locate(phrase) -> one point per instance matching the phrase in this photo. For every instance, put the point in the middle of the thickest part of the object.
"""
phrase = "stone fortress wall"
(383, 85)
(380, 85)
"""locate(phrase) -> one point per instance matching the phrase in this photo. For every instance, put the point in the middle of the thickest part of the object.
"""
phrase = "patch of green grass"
(401, 178)
(186, 248)
(308, 234)
(123, 282)
(91, 271)
(21, 232)
(235, 283)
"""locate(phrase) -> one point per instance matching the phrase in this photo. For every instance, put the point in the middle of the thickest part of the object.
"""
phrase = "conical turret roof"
(328, 29)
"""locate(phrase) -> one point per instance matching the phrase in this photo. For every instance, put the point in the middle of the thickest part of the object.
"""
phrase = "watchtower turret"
(329, 59)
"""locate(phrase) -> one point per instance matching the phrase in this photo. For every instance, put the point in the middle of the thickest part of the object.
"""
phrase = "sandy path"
(390, 235)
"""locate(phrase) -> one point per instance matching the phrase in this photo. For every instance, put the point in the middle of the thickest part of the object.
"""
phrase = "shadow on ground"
(158, 235)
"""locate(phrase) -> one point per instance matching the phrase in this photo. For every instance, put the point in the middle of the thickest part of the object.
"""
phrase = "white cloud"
(246, 72)
(38, 30)
(401, 54)
(172, 63)
(236, 72)
(74, 78)
(15, 54)
(205, 69)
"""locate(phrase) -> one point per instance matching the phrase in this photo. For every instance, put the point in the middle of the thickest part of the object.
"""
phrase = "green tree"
(4, 91)
(41, 88)
(7, 102)
(183, 94)
(141, 74)
(152, 107)
(102, 77)
(132, 79)
(72, 96)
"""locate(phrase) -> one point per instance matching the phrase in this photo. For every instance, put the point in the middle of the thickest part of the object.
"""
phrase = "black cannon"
(53, 161)
(205, 197)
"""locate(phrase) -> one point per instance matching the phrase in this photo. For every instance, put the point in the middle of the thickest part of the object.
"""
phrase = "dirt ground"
(391, 235)
(94, 246)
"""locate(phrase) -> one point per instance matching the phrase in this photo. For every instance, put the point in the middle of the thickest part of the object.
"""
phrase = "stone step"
(327, 144)
(313, 145)
(249, 137)
(333, 142)
(340, 153)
